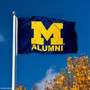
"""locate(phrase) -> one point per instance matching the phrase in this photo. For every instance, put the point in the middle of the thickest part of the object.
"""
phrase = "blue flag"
(46, 35)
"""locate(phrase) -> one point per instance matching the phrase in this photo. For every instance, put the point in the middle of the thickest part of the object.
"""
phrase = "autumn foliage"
(19, 87)
(76, 76)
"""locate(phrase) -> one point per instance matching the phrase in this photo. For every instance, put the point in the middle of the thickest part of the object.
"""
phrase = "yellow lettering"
(44, 48)
(50, 48)
(54, 29)
(61, 48)
(47, 48)
(38, 48)
(57, 48)
(33, 47)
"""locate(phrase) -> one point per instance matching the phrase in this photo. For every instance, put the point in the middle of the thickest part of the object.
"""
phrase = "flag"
(46, 35)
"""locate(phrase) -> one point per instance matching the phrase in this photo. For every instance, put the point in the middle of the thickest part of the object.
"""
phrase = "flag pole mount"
(14, 50)
(14, 13)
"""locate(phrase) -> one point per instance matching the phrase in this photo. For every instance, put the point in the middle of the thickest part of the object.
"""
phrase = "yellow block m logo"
(54, 29)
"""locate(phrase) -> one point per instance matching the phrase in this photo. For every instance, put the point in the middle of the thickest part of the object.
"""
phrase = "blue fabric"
(25, 33)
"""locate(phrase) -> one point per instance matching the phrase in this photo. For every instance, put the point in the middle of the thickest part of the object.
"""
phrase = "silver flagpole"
(16, 36)
(13, 51)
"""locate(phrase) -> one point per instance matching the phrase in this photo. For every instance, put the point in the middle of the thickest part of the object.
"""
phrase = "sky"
(32, 68)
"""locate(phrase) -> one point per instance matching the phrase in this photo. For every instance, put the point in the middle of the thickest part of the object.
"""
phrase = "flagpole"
(16, 36)
(13, 51)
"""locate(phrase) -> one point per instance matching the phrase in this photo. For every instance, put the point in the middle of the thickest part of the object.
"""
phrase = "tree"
(76, 76)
